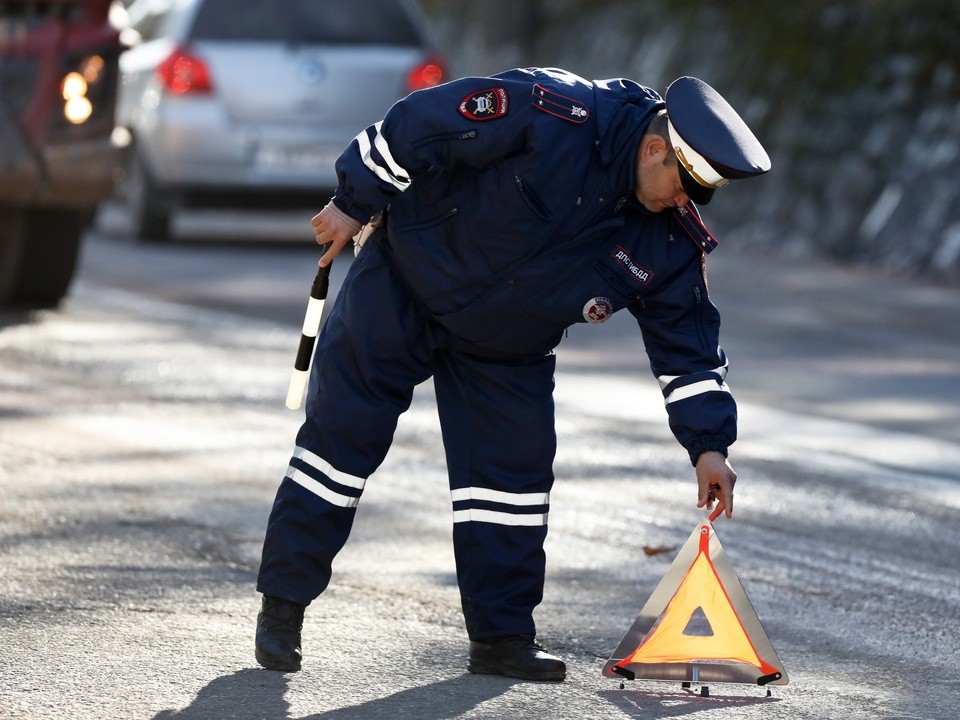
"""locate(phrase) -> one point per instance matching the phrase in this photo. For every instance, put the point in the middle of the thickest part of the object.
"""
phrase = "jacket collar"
(624, 109)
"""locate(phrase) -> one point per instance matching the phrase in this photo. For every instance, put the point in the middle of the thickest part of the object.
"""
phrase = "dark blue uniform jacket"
(511, 216)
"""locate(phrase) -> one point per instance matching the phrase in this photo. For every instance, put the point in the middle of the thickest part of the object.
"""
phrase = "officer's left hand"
(333, 228)
(715, 480)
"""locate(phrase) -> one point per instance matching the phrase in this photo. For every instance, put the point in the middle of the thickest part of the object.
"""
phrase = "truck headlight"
(74, 87)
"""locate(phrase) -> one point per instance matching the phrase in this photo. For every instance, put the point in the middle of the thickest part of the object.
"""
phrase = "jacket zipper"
(699, 315)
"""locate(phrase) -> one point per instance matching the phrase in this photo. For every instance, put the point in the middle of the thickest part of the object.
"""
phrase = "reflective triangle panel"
(698, 625)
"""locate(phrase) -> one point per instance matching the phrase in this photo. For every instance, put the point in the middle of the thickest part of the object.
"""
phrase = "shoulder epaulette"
(558, 105)
(689, 220)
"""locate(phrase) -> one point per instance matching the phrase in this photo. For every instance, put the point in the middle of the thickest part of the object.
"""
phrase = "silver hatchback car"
(249, 103)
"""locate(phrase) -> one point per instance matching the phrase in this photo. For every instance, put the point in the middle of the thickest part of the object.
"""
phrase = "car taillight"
(182, 73)
(426, 74)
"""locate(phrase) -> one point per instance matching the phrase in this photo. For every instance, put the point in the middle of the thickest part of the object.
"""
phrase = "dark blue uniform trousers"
(497, 421)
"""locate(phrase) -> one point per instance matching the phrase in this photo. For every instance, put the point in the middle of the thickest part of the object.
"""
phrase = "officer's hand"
(715, 480)
(333, 228)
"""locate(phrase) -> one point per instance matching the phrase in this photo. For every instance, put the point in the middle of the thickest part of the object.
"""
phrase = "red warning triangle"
(698, 625)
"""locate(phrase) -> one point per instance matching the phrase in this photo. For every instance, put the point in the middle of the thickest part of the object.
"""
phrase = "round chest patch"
(598, 310)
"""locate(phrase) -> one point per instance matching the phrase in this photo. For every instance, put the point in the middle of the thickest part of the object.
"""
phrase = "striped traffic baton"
(308, 336)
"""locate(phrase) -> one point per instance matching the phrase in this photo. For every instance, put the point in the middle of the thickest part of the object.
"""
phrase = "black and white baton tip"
(308, 337)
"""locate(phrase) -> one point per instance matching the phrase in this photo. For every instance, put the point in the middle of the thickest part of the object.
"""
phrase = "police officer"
(509, 207)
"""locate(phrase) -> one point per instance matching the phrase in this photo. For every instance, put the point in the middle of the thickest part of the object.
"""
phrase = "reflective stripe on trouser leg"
(296, 561)
(498, 431)
(370, 354)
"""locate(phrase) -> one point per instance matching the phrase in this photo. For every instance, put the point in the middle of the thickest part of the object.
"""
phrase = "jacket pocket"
(446, 137)
(620, 285)
(432, 221)
(530, 198)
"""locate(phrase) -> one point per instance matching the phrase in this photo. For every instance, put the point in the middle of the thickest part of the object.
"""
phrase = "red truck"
(58, 86)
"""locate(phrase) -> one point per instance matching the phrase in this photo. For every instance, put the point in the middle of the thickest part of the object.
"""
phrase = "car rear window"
(341, 22)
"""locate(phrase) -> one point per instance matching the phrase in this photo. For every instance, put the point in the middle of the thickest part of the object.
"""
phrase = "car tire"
(149, 213)
(38, 254)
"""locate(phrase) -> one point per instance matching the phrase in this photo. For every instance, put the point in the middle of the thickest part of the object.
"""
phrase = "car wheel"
(149, 214)
(38, 254)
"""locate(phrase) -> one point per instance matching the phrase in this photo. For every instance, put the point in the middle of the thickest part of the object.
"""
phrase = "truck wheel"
(11, 247)
(38, 249)
(149, 215)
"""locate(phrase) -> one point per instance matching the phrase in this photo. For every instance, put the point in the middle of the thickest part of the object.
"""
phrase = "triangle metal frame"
(702, 543)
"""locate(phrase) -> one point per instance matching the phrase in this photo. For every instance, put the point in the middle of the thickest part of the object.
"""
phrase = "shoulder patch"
(559, 105)
(485, 104)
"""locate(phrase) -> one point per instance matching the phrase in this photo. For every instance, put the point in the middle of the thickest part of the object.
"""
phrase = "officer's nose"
(681, 199)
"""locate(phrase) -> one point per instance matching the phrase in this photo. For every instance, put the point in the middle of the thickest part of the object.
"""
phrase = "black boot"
(278, 634)
(517, 656)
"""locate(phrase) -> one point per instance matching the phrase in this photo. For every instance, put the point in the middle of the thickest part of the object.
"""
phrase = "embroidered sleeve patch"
(484, 104)
(635, 270)
(559, 105)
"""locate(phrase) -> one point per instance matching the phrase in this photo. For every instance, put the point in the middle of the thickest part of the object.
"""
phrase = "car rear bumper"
(240, 178)
(262, 197)
(202, 152)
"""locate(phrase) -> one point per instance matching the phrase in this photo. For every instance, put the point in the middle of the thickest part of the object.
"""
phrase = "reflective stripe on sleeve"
(697, 388)
(392, 172)
(720, 372)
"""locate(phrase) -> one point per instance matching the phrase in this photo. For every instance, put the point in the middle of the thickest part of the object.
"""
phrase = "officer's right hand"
(333, 228)
(715, 481)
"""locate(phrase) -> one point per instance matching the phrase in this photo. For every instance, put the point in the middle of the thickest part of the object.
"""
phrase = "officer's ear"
(653, 148)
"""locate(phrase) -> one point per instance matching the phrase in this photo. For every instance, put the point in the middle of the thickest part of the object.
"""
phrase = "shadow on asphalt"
(651, 704)
(245, 694)
(255, 693)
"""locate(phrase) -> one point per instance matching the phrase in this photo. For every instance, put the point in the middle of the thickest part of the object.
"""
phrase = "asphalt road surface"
(143, 434)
